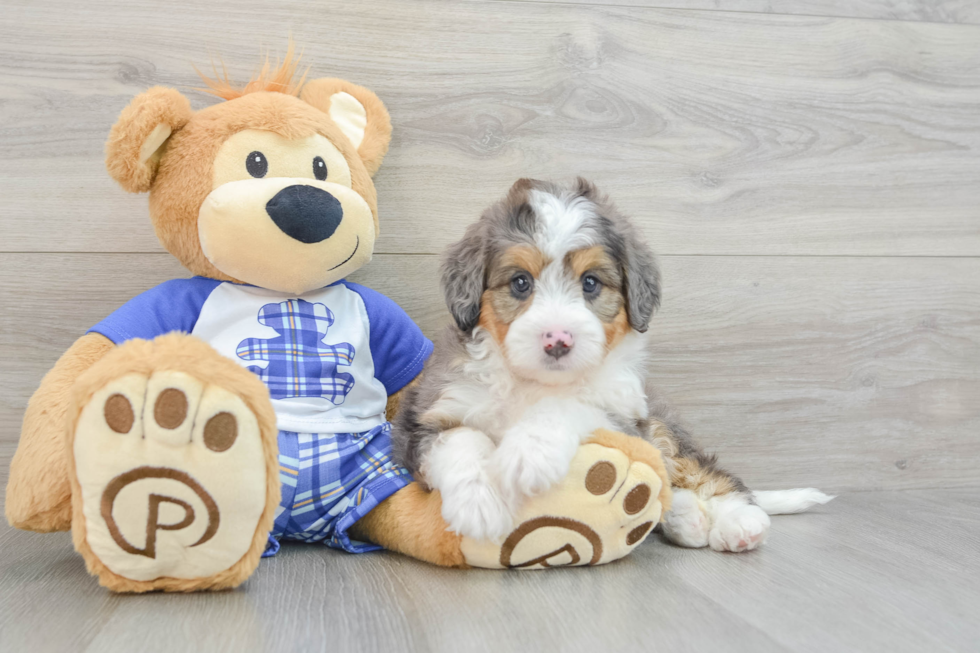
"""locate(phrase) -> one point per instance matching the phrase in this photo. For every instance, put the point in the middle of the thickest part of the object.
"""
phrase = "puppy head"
(555, 275)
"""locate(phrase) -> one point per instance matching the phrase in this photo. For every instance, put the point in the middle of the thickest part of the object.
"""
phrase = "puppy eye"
(590, 284)
(520, 285)
(319, 168)
(256, 164)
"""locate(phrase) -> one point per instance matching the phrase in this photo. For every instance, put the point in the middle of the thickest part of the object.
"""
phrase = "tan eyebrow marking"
(596, 259)
(524, 257)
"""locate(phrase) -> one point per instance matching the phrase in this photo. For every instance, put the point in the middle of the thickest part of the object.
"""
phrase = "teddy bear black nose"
(305, 213)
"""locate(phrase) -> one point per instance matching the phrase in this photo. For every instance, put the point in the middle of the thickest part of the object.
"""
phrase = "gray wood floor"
(808, 172)
(872, 571)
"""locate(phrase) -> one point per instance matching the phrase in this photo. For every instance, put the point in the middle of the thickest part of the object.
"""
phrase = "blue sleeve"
(172, 306)
(398, 347)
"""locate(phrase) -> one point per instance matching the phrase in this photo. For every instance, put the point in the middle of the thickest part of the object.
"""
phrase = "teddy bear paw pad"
(172, 475)
(603, 509)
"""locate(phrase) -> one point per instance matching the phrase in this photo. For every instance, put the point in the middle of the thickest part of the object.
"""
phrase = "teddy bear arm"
(39, 492)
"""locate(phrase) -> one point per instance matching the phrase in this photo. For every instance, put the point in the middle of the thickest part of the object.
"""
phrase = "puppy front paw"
(476, 510)
(525, 466)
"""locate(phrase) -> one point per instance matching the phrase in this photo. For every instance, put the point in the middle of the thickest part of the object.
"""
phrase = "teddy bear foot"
(174, 481)
(610, 500)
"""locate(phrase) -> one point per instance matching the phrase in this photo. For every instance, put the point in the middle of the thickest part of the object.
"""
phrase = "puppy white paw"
(524, 466)
(686, 524)
(738, 526)
(476, 510)
(457, 467)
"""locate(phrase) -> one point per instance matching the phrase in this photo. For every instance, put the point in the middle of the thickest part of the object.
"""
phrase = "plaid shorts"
(329, 481)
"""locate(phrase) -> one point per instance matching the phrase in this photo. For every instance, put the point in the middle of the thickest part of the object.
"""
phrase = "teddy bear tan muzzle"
(286, 234)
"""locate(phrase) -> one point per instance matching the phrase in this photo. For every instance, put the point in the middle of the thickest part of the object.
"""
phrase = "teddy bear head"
(271, 187)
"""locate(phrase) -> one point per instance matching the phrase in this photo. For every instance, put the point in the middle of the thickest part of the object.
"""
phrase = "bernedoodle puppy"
(551, 292)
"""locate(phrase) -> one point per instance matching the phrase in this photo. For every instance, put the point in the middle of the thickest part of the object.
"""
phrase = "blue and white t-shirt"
(330, 357)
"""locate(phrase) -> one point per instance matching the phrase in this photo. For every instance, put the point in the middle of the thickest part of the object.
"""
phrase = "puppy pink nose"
(557, 343)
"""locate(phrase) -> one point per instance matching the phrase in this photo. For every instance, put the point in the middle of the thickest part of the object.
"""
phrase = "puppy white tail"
(786, 502)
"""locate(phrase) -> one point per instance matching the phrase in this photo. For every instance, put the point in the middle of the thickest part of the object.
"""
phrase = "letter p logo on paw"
(603, 509)
(172, 476)
(154, 501)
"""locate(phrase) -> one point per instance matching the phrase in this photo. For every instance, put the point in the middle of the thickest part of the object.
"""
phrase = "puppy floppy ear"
(137, 139)
(641, 281)
(358, 112)
(464, 272)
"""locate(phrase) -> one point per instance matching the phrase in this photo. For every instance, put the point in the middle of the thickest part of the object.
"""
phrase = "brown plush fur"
(123, 159)
(377, 135)
(39, 492)
(278, 80)
(196, 358)
(184, 178)
(160, 145)
(410, 522)
(179, 183)
(639, 450)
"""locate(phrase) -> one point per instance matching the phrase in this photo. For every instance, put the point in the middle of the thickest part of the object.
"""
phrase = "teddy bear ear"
(358, 112)
(136, 140)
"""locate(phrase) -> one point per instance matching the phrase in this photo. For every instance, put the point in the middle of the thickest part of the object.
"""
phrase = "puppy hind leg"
(686, 523)
(711, 507)
(716, 508)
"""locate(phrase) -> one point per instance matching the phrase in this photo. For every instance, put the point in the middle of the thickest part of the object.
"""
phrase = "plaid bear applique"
(300, 363)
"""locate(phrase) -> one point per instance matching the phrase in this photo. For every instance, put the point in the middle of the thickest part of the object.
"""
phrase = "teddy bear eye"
(319, 168)
(256, 164)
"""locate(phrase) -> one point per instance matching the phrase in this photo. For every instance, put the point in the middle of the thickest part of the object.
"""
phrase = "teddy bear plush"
(184, 436)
